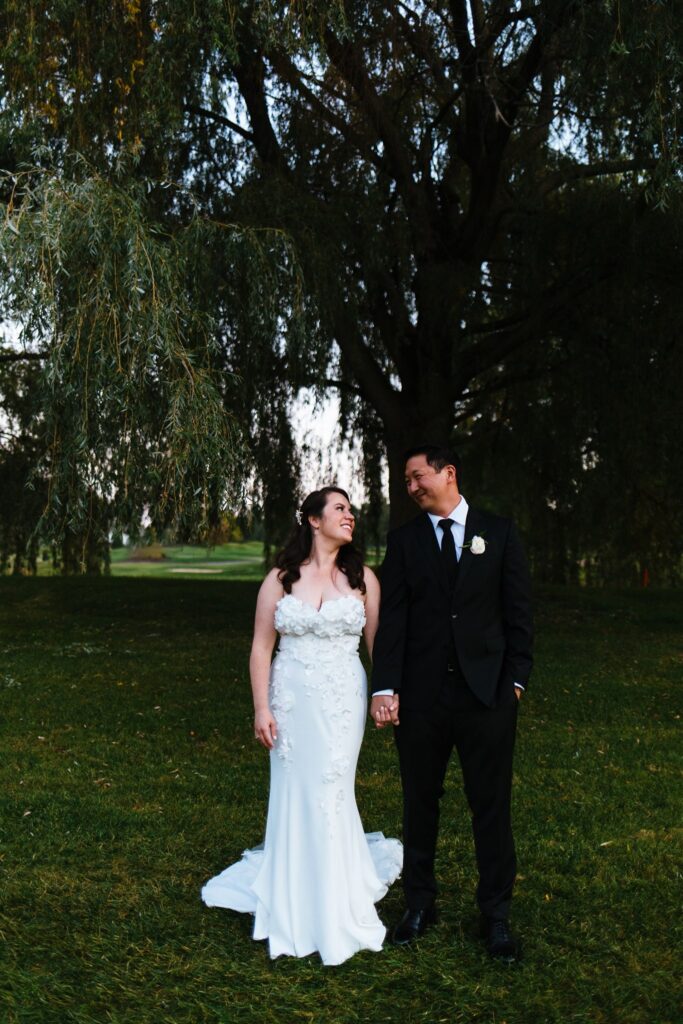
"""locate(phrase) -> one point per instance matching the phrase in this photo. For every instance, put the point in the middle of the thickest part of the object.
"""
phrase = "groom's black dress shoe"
(500, 942)
(413, 924)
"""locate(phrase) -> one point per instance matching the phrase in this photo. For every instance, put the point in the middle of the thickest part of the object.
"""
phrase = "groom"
(453, 649)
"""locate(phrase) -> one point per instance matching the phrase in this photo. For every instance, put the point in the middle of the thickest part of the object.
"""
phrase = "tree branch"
(537, 134)
(466, 48)
(220, 119)
(393, 325)
(250, 75)
(349, 63)
(503, 18)
(286, 68)
(596, 170)
(15, 357)
(503, 381)
(372, 380)
(341, 385)
(526, 67)
(498, 346)
(424, 46)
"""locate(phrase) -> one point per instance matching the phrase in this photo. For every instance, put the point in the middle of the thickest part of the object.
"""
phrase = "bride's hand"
(384, 710)
(265, 728)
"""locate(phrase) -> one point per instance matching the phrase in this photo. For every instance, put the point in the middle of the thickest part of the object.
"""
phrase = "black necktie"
(450, 562)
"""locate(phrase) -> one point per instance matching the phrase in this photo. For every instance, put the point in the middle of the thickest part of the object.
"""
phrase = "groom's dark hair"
(437, 455)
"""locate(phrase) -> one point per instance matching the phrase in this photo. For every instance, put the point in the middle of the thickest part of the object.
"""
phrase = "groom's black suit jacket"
(486, 622)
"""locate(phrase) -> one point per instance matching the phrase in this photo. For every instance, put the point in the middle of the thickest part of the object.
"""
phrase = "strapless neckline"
(329, 600)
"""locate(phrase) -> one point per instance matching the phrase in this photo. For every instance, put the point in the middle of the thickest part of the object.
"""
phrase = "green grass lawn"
(234, 561)
(129, 776)
(225, 561)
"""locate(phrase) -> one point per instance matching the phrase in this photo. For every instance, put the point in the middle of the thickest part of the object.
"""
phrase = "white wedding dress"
(314, 883)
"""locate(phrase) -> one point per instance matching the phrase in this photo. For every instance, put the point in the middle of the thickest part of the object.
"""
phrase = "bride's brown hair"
(298, 547)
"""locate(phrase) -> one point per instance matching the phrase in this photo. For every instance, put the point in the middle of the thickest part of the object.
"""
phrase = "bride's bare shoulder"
(271, 588)
(371, 581)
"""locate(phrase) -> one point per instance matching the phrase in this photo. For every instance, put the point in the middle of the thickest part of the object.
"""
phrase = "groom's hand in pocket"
(384, 710)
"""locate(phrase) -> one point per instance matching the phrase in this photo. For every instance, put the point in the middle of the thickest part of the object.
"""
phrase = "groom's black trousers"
(484, 739)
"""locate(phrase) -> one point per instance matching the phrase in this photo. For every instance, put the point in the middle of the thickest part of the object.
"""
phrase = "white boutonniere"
(477, 545)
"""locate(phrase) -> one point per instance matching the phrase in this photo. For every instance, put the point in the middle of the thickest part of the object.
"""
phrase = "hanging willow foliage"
(132, 413)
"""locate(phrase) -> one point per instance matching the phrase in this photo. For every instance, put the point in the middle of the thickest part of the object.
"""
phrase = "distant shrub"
(148, 553)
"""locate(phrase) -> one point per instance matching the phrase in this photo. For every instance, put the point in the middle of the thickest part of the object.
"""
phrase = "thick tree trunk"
(18, 567)
(84, 555)
(424, 408)
(401, 508)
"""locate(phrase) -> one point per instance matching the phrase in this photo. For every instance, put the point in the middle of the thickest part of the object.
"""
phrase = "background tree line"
(462, 216)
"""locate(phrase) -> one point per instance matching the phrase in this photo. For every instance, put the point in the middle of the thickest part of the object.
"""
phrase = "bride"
(313, 885)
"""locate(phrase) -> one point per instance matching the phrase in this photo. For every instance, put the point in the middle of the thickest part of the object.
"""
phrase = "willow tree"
(421, 159)
(586, 453)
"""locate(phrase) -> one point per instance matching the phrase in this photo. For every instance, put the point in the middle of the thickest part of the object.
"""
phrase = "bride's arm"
(265, 726)
(384, 707)
(371, 607)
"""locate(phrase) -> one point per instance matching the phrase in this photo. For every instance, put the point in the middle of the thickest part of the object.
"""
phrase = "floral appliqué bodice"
(317, 656)
(333, 629)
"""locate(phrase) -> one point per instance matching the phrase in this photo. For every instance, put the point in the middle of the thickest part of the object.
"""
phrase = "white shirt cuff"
(519, 686)
(383, 693)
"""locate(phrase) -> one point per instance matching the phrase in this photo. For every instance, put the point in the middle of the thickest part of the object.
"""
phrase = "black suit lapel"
(471, 525)
(430, 547)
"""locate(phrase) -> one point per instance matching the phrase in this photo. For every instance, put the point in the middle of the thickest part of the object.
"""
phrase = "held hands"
(265, 728)
(384, 710)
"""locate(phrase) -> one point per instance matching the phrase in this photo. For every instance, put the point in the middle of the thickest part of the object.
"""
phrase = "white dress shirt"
(459, 516)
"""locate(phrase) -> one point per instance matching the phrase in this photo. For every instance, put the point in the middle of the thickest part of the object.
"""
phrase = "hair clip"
(297, 516)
